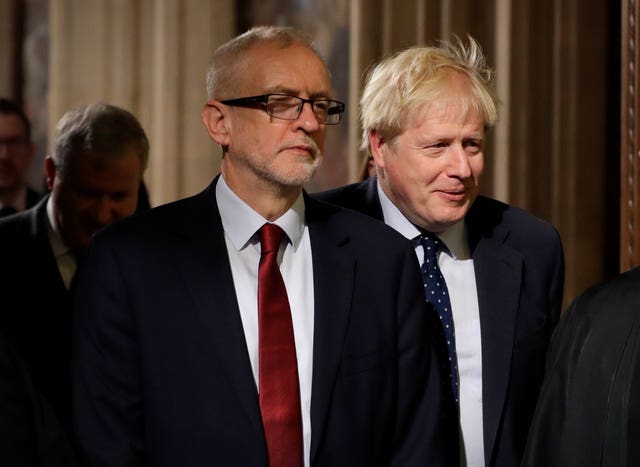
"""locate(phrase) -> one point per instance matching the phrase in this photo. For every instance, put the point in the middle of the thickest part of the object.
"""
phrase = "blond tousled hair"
(403, 85)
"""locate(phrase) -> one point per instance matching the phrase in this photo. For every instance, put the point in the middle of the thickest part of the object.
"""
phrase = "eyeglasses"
(285, 107)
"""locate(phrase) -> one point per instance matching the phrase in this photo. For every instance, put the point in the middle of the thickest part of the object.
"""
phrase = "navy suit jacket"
(36, 318)
(36, 312)
(519, 269)
(162, 376)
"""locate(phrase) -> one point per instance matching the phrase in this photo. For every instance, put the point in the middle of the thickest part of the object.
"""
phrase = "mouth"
(304, 150)
(454, 194)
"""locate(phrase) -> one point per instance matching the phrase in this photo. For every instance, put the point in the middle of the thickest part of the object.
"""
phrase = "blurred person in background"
(16, 154)
(99, 154)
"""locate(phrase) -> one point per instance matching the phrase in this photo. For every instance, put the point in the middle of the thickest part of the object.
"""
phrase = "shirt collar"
(241, 221)
(58, 244)
(455, 237)
(394, 218)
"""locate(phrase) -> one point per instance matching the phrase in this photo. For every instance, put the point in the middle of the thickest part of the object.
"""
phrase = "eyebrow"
(293, 92)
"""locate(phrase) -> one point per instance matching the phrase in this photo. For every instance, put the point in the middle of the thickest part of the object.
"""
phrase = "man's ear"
(216, 122)
(377, 144)
(50, 171)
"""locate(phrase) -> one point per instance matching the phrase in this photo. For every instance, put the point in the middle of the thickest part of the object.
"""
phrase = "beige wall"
(149, 56)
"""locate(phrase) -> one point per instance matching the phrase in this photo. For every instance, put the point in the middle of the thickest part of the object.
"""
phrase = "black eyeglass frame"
(251, 102)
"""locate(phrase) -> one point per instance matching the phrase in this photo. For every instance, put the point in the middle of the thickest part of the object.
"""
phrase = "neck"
(269, 199)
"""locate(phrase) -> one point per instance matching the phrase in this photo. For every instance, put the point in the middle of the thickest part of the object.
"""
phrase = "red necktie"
(279, 390)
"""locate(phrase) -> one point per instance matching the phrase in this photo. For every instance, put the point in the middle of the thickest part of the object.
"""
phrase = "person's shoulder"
(491, 215)
(155, 222)
(620, 293)
(361, 197)
(335, 195)
(500, 212)
(351, 222)
(19, 224)
(603, 313)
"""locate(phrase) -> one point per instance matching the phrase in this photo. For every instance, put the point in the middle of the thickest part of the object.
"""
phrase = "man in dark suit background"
(30, 434)
(170, 359)
(16, 154)
(588, 412)
(98, 156)
(424, 115)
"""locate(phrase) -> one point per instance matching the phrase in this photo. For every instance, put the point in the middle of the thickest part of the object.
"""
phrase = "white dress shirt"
(65, 258)
(241, 223)
(457, 268)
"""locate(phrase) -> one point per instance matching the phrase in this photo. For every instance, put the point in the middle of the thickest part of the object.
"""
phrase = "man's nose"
(103, 211)
(307, 119)
(460, 165)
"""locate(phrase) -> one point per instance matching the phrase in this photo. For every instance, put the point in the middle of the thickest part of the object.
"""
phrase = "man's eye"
(473, 145)
(283, 101)
(321, 105)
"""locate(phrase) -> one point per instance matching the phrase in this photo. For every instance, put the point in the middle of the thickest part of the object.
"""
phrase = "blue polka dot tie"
(436, 293)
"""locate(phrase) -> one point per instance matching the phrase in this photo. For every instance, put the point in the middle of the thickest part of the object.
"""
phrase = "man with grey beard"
(250, 325)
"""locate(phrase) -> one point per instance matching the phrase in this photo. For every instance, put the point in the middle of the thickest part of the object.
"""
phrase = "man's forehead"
(460, 109)
(276, 67)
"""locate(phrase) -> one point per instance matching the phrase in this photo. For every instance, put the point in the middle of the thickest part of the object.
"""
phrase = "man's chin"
(300, 174)
(438, 224)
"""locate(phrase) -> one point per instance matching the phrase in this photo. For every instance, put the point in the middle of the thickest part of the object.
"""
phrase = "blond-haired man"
(425, 112)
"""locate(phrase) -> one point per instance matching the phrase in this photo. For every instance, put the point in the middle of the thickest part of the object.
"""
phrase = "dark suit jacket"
(30, 434)
(162, 376)
(588, 413)
(36, 313)
(519, 268)
(32, 197)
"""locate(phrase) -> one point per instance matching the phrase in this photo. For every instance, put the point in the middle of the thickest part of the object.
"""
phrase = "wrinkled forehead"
(461, 110)
(274, 66)
(454, 100)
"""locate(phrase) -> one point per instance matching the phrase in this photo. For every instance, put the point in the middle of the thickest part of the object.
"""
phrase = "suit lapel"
(498, 270)
(202, 260)
(333, 272)
(52, 283)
